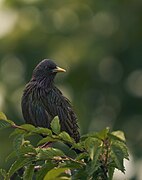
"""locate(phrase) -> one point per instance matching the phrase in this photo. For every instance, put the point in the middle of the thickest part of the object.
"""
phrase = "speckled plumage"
(42, 101)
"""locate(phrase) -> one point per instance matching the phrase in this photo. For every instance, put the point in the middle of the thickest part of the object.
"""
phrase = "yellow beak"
(58, 69)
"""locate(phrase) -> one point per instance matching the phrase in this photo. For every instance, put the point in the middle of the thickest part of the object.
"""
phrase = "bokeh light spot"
(15, 99)
(103, 116)
(30, 2)
(29, 18)
(134, 83)
(110, 70)
(66, 20)
(105, 23)
(11, 71)
(67, 52)
(2, 95)
(8, 19)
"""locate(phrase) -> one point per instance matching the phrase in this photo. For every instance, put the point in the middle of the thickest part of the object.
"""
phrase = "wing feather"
(34, 111)
(61, 107)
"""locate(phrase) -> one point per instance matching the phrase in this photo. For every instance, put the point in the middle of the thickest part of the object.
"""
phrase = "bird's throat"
(45, 82)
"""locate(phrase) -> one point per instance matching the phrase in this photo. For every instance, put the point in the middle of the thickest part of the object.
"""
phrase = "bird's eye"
(47, 68)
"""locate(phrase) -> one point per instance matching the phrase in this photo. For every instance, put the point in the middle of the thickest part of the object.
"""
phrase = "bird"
(42, 100)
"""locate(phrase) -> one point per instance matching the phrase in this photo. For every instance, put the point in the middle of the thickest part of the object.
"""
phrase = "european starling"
(42, 100)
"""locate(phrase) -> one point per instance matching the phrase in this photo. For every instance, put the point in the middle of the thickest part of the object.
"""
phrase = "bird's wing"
(34, 112)
(60, 106)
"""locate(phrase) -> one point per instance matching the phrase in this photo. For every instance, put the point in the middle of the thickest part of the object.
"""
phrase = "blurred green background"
(98, 42)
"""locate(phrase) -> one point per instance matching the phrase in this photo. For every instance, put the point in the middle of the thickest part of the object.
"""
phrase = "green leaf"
(91, 145)
(91, 134)
(119, 134)
(55, 125)
(82, 156)
(48, 153)
(66, 137)
(44, 131)
(81, 174)
(45, 140)
(94, 165)
(44, 169)
(3, 172)
(2, 116)
(96, 153)
(111, 172)
(123, 148)
(4, 124)
(28, 127)
(117, 156)
(27, 151)
(17, 132)
(79, 146)
(72, 164)
(11, 156)
(57, 174)
(94, 148)
(18, 141)
(10, 122)
(103, 134)
(19, 163)
(29, 172)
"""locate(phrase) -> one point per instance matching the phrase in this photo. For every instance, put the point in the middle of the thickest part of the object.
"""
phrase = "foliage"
(99, 154)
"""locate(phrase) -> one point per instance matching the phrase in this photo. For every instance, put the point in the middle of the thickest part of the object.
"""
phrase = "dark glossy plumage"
(42, 101)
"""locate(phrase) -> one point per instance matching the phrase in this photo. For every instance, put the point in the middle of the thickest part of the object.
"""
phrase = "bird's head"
(46, 69)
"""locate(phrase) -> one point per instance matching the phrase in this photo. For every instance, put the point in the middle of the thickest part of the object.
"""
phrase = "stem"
(104, 157)
(59, 158)
(19, 127)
